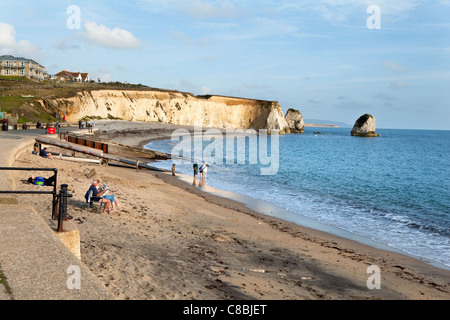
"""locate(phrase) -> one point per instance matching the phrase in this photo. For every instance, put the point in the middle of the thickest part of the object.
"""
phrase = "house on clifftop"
(11, 66)
(72, 76)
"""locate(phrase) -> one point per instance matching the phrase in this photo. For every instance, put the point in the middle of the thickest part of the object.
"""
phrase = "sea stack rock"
(364, 127)
(294, 120)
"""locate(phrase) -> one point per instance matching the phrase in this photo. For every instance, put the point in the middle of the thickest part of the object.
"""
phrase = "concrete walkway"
(36, 264)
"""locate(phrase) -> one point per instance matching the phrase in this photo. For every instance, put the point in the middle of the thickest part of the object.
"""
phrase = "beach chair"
(91, 200)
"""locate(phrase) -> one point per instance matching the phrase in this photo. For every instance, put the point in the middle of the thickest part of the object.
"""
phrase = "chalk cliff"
(174, 107)
(364, 126)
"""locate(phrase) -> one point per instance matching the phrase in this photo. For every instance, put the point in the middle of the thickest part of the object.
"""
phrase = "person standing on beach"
(195, 168)
(203, 170)
(89, 126)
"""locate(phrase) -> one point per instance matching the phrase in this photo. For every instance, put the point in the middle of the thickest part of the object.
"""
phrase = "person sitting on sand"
(45, 154)
(93, 194)
(111, 197)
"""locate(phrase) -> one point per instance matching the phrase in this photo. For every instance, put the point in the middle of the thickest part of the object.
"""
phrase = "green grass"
(14, 78)
(27, 110)
(8, 104)
(86, 118)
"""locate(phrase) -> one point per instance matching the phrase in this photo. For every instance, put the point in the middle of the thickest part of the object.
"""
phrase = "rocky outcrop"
(364, 126)
(275, 120)
(294, 121)
(176, 108)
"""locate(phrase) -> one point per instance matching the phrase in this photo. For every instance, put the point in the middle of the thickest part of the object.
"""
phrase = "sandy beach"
(171, 240)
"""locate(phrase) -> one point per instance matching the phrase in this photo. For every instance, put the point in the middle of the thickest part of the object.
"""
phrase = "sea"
(391, 191)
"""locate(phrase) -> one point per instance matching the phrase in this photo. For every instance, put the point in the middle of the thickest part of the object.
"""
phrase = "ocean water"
(393, 189)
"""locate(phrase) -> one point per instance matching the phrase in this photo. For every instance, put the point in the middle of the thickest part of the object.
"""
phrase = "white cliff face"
(175, 108)
(294, 121)
(364, 126)
(275, 119)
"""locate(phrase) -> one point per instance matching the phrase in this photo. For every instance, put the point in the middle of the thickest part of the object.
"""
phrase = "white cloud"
(7, 35)
(111, 38)
(9, 44)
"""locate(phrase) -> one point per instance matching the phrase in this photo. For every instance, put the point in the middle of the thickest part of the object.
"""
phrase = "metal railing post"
(61, 211)
(63, 195)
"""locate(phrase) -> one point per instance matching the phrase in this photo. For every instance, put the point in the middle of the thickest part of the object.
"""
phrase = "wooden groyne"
(113, 147)
(107, 151)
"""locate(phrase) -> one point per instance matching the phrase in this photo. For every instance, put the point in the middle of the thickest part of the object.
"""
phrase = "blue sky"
(319, 56)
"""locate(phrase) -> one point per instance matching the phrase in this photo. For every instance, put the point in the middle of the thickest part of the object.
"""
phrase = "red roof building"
(73, 76)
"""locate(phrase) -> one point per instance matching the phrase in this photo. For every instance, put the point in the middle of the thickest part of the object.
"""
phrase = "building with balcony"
(21, 67)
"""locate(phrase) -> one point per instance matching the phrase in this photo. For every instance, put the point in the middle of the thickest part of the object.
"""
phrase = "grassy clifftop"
(18, 95)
